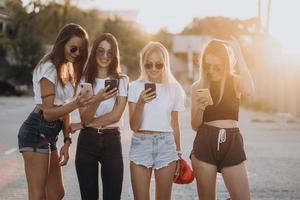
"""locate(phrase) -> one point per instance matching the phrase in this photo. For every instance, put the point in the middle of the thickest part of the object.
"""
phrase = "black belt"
(102, 131)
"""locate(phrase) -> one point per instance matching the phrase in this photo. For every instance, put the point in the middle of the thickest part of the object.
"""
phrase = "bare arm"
(136, 109)
(176, 129)
(197, 108)
(51, 112)
(87, 113)
(244, 82)
(111, 117)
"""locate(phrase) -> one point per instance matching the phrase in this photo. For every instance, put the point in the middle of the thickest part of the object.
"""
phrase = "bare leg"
(206, 175)
(164, 181)
(236, 181)
(140, 180)
(55, 189)
(36, 169)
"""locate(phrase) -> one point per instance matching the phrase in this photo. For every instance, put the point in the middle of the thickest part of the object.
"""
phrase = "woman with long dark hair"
(54, 81)
(100, 141)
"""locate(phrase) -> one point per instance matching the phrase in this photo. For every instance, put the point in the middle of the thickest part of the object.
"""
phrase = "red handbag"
(183, 175)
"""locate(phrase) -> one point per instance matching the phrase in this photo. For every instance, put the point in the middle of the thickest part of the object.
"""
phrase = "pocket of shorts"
(170, 140)
(135, 141)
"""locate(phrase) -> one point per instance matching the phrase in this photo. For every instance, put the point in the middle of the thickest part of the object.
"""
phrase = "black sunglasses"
(157, 65)
(74, 49)
(101, 52)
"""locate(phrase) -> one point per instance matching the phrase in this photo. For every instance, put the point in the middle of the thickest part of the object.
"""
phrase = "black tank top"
(228, 108)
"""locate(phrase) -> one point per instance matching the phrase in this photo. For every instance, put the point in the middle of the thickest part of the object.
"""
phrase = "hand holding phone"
(86, 87)
(205, 93)
(147, 96)
(112, 83)
(150, 85)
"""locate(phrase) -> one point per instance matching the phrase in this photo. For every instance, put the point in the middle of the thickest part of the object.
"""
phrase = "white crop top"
(157, 113)
(107, 105)
(47, 70)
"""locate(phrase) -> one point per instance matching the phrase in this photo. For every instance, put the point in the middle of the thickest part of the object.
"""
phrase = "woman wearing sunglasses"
(218, 146)
(99, 141)
(54, 80)
(153, 114)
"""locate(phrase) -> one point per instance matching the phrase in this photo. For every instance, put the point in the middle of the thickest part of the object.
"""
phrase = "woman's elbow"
(194, 126)
(86, 120)
(133, 127)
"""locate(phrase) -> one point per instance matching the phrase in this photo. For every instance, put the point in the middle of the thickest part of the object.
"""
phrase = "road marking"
(10, 151)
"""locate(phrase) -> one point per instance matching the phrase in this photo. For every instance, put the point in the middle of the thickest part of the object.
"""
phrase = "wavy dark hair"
(57, 55)
(114, 69)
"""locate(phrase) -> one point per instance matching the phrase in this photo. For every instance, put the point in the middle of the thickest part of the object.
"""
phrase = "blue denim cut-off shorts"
(153, 150)
(38, 135)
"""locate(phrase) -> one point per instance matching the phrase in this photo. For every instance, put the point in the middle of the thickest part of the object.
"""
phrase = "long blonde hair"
(167, 76)
(221, 50)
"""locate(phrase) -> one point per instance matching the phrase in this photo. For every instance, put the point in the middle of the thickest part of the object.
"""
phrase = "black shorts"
(218, 146)
(38, 135)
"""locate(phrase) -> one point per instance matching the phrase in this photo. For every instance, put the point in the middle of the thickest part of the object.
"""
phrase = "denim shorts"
(153, 150)
(38, 135)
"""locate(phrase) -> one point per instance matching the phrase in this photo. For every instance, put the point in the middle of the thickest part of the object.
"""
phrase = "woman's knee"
(56, 193)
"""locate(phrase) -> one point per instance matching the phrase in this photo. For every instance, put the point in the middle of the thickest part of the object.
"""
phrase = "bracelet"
(68, 139)
(179, 152)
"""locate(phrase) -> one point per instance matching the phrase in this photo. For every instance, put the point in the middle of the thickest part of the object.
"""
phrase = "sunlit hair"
(167, 76)
(146, 52)
(217, 48)
(57, 54)
(114, 69)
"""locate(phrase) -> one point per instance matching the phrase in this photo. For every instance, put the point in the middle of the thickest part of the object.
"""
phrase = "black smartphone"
(112, 83)
(150, 85)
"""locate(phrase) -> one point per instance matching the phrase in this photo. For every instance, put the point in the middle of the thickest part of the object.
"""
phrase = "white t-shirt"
(47, 70)
(157, 113)
(107, 105)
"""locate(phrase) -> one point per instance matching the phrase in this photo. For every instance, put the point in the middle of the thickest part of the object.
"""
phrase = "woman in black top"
(218, 146)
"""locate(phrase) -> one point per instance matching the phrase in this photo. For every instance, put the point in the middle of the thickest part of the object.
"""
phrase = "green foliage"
(131, 40)
(219, 27)
(164, 37)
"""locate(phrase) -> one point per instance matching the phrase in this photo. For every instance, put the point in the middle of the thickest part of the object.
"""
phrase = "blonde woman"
(218, 146)
(153, 113)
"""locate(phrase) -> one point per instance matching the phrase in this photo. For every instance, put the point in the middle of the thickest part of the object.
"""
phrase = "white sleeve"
(48, 71)
(133, 92)
(179, 104)
(123, 86)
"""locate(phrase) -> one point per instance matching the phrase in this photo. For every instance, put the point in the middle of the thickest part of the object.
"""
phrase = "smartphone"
(150, 85)
(112, 83)
(86, 87)
(205, 93)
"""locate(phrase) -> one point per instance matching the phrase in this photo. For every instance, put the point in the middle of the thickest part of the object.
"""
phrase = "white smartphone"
(86, 87)
(205, 93)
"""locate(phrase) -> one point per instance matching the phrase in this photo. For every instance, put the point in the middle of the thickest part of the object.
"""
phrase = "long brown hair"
(57, 55)
(218, 48)
(114, 69)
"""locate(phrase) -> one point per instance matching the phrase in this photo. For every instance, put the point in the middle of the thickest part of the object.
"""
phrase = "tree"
(131, 40)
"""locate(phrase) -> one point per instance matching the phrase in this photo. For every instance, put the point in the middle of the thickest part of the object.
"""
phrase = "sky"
(175, 14)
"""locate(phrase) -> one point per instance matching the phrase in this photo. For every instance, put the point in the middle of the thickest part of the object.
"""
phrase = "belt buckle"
(99, 131)
(37, 110)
